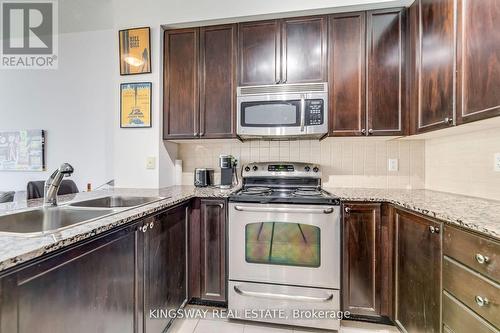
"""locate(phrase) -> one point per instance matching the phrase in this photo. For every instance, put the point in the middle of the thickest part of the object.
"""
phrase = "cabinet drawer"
(480, 254)
(471, 288)
(457, 318)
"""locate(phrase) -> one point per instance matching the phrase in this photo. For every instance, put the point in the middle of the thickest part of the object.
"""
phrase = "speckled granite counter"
(477, 214)
(16, 250)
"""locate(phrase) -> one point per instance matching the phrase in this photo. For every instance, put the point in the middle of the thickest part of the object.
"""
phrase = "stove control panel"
(273, 169)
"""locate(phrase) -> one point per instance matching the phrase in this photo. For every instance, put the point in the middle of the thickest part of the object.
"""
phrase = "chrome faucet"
(52, 184)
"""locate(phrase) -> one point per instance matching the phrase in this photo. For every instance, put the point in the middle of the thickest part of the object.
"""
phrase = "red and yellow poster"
(135, 105)
(135, 51)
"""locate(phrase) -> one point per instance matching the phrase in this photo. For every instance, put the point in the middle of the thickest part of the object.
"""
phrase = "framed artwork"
(135, 51)
(135, 105)
(22, 150)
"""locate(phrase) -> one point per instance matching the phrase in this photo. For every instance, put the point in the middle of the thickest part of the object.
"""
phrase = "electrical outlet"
(151, 163)
(392, 164)
(497, 162)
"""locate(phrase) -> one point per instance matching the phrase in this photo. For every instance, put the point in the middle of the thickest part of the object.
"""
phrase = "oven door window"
(280, 243)
(270, 114)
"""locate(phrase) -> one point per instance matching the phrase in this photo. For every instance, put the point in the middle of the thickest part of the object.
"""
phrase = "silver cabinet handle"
(434, 230)
(144, 228)
(284, 210)
(363, 131)
(347, 210)
(221, 205)
(151, 225)
(448, 120)
(482, 301)
(481, 259)
(328, 298)
(302, 113)
(370, 131)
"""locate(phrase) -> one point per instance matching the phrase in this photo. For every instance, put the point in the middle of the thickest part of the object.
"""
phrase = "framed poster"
(135, 105)
(135, 51)
(22, 150)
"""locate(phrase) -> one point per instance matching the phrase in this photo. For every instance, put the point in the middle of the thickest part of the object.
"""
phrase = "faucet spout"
(54, 182)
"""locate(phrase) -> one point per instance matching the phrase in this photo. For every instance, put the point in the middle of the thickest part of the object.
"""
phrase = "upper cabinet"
(478, 60)
(386, 79)
(432, 36)
(199, 83)
(283, 51)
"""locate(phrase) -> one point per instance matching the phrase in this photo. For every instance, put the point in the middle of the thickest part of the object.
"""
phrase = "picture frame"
(135, 51)
(135, 105)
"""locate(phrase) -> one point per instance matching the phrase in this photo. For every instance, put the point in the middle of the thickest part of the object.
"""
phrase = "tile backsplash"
(346, 162)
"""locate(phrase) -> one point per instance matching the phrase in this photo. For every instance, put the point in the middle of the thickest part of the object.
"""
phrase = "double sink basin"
(42, 221)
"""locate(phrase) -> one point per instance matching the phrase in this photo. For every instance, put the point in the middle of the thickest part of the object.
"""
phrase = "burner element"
(257, 190)
(307, 192)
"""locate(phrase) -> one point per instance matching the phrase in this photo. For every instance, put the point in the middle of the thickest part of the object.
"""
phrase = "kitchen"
(346, 159)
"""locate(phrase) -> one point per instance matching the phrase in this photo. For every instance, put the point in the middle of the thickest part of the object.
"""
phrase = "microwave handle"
(302, 112)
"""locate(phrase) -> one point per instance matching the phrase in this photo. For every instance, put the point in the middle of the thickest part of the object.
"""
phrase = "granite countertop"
(15, 250)
(477, 214)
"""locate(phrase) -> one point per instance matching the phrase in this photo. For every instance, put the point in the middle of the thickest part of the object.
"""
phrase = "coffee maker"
(228, 175)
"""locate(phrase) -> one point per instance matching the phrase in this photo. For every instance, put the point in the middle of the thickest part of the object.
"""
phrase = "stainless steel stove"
(284, 244)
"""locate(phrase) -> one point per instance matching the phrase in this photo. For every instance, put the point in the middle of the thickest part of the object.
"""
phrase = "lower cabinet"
(207, 251)
(367, 260)
(418, 259)
(106, 284)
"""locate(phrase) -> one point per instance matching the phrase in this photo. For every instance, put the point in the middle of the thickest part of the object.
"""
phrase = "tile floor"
(216, 325)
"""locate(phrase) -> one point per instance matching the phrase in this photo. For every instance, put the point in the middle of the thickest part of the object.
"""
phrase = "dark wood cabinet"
(478, 60)
(93, 287)
(213, 249)
(361, 259)
(165, 265)
(418, 260)
(218, 81)
(199, 83)
(259, 53)
(283, 51)
(346, 74)
(181, 88)
(386, 72)
(304, 50)
(432, 35)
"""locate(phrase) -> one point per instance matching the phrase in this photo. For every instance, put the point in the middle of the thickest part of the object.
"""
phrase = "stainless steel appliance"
(228, 176)
(283, 111)
(203, 177)
(284, 243)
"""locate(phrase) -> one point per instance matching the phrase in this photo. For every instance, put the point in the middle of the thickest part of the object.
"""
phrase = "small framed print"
(135, 51)
(135, 105)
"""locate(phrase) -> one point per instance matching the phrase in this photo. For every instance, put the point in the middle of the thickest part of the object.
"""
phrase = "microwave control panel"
(315, 110)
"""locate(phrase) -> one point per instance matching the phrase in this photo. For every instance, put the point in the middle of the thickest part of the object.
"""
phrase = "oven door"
(285, 244)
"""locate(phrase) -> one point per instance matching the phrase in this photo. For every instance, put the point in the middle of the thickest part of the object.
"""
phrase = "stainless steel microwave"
(283, 111)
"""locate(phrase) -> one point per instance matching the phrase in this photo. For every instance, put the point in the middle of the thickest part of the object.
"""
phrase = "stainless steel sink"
(47, 220)
(116, 202)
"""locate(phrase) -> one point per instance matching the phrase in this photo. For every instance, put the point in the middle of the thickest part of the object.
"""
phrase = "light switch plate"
(497, 162)
(392, 164)
(151, 163)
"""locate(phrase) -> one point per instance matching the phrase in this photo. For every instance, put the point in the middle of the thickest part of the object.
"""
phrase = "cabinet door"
(217, 81)
(165, 266)
(304, 47)
(180, 104)
(259, 53)
(386, 73)
(347, 39)
(418, 273)
(213, 250)
(478, 60)
(433, 38)
(361, 246)
(93, 287)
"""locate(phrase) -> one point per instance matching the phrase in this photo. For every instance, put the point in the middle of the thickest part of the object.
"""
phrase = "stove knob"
(307, 168)
(315, 169)
(255, 168)
(247, 168)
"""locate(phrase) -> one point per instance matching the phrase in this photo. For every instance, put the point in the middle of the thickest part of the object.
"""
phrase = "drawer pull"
(434, 230)
(482, 301)
(482, 259)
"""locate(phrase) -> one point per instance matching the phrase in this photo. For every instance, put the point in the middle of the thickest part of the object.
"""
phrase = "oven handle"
(282, 296)
(284, 210)
(302, 112)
